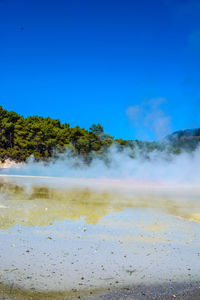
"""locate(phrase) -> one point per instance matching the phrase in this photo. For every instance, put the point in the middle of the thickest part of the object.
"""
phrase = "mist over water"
(158, 167)
(121, 220)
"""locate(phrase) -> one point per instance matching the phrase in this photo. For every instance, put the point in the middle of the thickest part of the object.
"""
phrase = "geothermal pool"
(81, 237)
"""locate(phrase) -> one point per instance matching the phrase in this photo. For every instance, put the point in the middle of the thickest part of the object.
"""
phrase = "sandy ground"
(185, 291)
(7, 164)
(52, 241)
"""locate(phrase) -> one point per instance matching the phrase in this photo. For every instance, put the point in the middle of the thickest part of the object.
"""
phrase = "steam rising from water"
(150, 117)
(159, 167)
(61, 234)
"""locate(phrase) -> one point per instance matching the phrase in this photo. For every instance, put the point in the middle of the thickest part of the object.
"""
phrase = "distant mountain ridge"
(187, 134)
(187, 140)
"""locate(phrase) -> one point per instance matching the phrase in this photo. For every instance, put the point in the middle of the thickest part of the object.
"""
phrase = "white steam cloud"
(159, 167)
(150, 118)
(133, 164)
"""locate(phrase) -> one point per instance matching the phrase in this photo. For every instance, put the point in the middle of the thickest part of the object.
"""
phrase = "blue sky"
(133, 66)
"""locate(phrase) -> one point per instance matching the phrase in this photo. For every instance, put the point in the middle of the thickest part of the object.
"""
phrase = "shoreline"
(110, 181)
(184, 291)
(8, 164)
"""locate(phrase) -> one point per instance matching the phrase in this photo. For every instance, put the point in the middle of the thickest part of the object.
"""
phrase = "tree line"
(45, 138)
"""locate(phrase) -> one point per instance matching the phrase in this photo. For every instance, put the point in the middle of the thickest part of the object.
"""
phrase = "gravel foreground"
(184, 291)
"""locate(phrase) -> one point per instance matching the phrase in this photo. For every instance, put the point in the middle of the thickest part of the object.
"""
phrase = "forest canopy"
(45, 138)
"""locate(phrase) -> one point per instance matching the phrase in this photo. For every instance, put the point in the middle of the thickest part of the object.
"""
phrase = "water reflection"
(43, 204)
(87, 235)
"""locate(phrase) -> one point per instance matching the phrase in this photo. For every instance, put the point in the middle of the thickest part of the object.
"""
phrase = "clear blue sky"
(87, 62)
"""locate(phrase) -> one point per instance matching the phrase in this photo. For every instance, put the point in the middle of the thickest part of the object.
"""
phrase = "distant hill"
(182, 135)
(187, 139)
